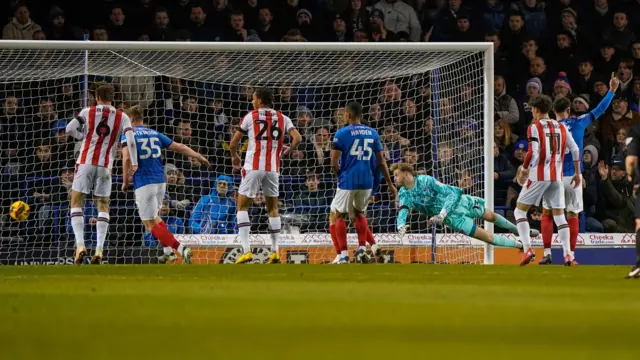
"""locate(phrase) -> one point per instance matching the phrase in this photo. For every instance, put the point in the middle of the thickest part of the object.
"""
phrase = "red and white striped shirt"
(549, 141)
(266, 129)
(104, 125)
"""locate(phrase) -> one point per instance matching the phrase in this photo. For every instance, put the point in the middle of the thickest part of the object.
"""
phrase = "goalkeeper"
(446, 204)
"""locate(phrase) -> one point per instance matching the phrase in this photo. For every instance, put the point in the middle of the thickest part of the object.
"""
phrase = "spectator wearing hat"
(58, 27)
(505, 106)
(600, 88)
(399, 16)
(580, 104)
(465, 32)
(617, 196)
(503, 172)
(21, 27)
(357, 18)
(445, 23)
(533, 88)
(621, 117)
(306, 25)
(619, 33)
(519, 153)
(562, 87)
(379, 32)
(625, 75)
(607, 61)
(338, 30)
(590, 183)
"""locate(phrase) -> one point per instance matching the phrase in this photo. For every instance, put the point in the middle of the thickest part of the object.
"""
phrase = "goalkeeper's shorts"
(462, 217)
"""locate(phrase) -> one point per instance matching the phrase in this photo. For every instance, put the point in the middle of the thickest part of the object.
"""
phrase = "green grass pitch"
(318, 312)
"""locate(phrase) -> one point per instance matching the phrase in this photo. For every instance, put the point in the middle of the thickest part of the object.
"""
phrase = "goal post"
(197, 92)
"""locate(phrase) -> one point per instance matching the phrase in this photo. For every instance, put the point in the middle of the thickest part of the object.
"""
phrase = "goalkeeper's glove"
(436, 220)
(403, 230)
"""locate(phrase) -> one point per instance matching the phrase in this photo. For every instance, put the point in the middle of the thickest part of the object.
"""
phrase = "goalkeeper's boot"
(377, 253)
(80, 255)
(186, 255)
(245, 258)
(634, 273)
(569, 260)
(336, 259)
(527, 257)
(96, 260)
(361, 256)
(274, 258)
(164, 258)
(546, 260)
(343, 259)
(534, 233)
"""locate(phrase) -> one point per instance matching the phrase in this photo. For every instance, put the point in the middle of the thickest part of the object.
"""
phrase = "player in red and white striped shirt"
(541, 173)
(266, 129)
(99, 127)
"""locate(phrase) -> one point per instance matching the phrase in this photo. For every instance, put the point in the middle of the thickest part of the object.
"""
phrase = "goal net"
(429, 103)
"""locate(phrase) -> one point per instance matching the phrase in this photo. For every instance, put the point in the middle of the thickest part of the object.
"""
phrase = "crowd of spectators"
(561, 48)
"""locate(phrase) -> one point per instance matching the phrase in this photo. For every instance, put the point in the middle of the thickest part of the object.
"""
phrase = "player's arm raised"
(575, 153)
(187, 151)
(606, 101)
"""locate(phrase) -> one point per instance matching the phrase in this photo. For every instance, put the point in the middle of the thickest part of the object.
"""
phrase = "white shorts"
(254, 180)
(350, 201)
(572, 196)
(534, 191)
(149, 200)
(92, 179)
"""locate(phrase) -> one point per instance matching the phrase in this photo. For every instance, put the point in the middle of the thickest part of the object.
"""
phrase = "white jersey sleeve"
(288, 124)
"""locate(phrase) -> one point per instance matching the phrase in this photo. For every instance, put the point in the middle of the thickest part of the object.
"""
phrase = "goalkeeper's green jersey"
(427, 196)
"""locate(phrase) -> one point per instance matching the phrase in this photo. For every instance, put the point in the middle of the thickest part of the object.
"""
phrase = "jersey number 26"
(276, 132)
(362, 152)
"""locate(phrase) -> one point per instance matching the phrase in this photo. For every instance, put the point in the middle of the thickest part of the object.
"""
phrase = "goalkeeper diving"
(447, 204)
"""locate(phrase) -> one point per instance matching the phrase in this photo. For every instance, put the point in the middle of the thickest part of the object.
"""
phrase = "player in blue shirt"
(149, 182)
(353, 148)
(573, 196)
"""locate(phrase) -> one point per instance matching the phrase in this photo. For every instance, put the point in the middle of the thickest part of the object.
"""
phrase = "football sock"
(167, 250)
(546, 225)
(563, 233)
(523, 228)
(244, 227)
(370, 239)
(574, 229)
(506, 224)
(77, 223)
(361, 228)
(334, 238)
(637, 247)
(341, 236)
(499, 240)
(274, 232)
(166, 238)
(102, 226)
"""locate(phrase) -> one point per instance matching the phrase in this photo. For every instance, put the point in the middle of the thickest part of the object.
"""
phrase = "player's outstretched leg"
(635, 271)
(159, 229)
(524, 230)
(495, 239)
(546, 225)
(77, 223)
(502, 222)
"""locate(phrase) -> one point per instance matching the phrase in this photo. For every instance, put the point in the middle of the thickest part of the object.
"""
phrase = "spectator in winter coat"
(494, 15)
(620, 117)
(634, 98)
(562, 87)
(503, 173)
(506, 107)
(21, 27)
(215, 213)
(535, 18)
(400, 16)
(618, 197)
(590, 185)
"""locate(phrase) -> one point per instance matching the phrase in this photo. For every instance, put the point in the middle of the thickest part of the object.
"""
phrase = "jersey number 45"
(362, 152)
